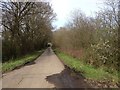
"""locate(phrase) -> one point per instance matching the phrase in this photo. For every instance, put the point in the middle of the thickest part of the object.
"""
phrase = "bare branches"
(27, 25)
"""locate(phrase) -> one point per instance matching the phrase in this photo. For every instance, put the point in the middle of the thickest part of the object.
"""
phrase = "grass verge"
(88, 71)
(12, 64)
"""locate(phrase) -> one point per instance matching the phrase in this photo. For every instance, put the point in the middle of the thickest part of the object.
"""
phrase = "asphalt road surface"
(47, 71)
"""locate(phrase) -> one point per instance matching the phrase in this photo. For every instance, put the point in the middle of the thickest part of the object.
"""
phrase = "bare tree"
(27, 27)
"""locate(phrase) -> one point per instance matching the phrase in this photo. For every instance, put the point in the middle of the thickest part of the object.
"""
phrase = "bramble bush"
(104, 53)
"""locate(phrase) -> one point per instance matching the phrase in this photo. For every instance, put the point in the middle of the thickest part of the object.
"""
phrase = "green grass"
(12, 64)
(88, 71)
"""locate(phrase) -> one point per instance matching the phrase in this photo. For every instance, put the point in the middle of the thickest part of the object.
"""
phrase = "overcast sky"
(63, 8)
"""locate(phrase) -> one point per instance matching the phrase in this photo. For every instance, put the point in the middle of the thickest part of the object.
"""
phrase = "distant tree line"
(26, 27)
(94, 39)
